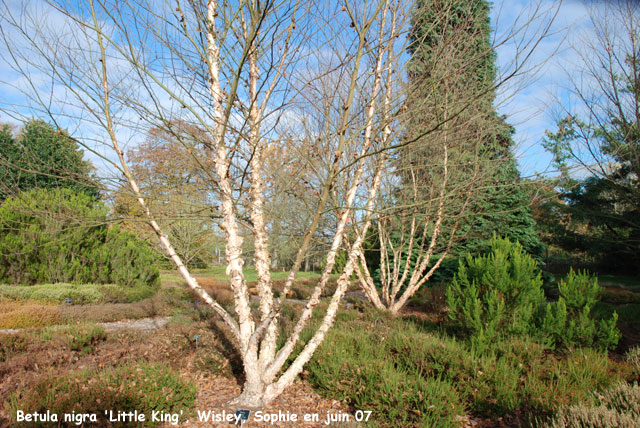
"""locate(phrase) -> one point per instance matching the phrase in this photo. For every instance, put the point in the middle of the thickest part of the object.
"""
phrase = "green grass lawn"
(250, 274)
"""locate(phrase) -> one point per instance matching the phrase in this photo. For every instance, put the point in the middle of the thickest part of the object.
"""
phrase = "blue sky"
(530, 103)
(535, 106)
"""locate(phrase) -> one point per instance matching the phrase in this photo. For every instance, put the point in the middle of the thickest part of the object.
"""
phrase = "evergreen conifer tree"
(452, 60)
(42, 157)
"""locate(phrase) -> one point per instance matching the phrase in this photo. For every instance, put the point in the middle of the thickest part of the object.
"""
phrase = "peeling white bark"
(256, 343)
(225, 58)
(171, 253)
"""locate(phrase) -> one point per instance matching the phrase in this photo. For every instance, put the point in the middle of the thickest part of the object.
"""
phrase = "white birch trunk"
(164, 240)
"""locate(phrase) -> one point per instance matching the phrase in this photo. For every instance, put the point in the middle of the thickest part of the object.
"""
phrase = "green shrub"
(366, 358)
(569, 322)
(497, 293)
(501, 294)
(519, 374)
(56, 235)
(431, 355)
(574, 380)
(354, 366)
(490, 383)
(142, 386)
(129, 261)
(581, 373)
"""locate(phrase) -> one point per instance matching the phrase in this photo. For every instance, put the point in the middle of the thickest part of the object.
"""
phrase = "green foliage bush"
(137, 386)
(518, 373)
(393, 367)
(57, 235)
(353, 366)
(573, 379)
(569, 321)
(126, 260)
(496, 294)
(501, 294)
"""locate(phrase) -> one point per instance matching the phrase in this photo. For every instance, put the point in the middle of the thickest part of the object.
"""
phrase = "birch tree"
(326, 78)
(446, 172)
(247, 74)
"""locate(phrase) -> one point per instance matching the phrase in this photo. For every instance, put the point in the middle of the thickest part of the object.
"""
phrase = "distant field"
(76, 293)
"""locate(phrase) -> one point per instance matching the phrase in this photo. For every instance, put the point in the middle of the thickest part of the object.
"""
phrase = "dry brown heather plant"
(618, 406)
(297, 102)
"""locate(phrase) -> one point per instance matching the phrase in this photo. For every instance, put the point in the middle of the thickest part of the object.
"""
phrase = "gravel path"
(143, 324)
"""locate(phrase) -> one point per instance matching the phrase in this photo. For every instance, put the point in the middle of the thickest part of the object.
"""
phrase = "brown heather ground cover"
(409, 371)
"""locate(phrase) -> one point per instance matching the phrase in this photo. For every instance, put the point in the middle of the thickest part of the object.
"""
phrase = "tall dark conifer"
(452, 73)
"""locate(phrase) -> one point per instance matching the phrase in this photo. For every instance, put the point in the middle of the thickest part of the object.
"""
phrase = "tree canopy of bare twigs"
(458, 169)
(321, 85)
